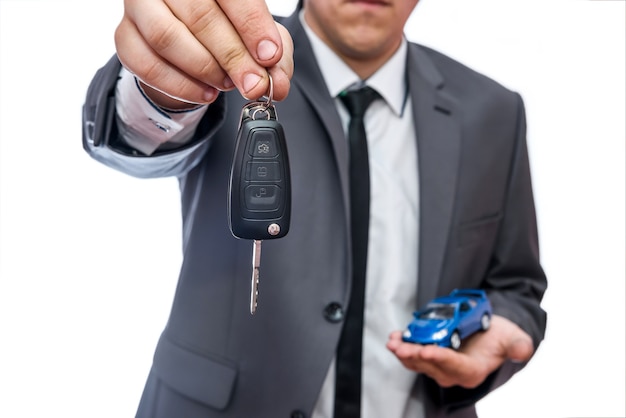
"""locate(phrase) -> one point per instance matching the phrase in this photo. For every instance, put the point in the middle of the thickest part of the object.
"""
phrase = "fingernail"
(250, 81)
(210, 95)
(266, 50)
(228, 83)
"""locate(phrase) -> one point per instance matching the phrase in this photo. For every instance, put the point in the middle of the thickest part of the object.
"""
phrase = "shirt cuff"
(146, 126)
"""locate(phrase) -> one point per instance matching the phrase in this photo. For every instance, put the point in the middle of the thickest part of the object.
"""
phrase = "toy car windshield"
(436, 312)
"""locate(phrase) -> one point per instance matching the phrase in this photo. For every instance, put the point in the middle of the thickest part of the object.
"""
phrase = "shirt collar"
(340, 77)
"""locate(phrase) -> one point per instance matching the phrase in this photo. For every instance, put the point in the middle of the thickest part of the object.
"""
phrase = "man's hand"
(479, 355)
(191, 49)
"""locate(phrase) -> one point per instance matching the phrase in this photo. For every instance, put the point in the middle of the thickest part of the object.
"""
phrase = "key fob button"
(263, 171)
(264, 198)
(263, 143)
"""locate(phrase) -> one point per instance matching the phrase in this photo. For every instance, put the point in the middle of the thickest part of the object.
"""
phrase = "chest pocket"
(482, 230)
(471, 253)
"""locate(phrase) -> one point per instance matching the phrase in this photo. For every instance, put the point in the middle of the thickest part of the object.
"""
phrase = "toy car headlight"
(406, 334)
(440, 334)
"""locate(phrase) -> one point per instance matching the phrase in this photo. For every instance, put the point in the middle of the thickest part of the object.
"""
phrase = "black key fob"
(259, 202)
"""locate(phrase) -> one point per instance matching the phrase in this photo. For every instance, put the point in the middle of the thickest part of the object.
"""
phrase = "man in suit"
(451, 206)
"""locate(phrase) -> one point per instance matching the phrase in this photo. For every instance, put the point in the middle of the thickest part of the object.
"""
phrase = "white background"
(89, 257)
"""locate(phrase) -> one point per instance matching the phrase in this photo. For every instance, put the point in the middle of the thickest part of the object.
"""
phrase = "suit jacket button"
(333, 312)
(298, 414)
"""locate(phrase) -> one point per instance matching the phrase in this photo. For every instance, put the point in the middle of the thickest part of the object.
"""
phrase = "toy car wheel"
(485, 322)
(455, 340)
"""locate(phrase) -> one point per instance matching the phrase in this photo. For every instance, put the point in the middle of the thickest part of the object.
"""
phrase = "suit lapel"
(439, 146)
(310, 81)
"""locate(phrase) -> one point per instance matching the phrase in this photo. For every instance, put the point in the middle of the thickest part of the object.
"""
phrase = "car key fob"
(260, 188)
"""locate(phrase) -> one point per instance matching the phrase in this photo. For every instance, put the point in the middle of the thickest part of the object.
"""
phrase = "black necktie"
(349, 351)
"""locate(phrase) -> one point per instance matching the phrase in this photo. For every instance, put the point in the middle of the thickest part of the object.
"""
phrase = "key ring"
(270, 95)
(267, 106)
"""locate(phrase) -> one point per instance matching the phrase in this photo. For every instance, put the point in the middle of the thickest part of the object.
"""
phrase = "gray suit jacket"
(477, 229)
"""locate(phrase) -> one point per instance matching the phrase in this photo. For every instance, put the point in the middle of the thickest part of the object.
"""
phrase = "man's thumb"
(520, 350)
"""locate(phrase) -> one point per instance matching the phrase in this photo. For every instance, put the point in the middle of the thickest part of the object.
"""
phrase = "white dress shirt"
(391, 282)
(146, 126)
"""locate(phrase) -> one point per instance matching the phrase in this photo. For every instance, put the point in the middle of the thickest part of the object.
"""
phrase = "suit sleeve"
(515, 280)
(102, 141)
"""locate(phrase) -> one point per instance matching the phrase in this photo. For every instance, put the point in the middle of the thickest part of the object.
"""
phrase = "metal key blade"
(254, 284)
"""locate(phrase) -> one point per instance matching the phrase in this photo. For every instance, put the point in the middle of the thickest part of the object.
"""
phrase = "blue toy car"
(447, 320)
